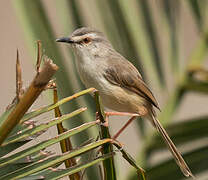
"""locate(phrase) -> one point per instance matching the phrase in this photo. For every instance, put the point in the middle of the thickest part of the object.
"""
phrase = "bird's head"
(87, 41)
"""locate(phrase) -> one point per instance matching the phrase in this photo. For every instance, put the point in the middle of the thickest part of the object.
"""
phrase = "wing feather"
(125, 75)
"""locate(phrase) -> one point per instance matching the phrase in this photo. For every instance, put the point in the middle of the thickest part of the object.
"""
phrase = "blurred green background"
(167, 40)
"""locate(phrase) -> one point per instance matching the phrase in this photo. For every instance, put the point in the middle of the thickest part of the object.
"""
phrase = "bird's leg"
(124, 127)
(107, 114)
(121, 114)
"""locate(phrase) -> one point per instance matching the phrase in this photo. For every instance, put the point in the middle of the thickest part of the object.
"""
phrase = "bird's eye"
(86, 40)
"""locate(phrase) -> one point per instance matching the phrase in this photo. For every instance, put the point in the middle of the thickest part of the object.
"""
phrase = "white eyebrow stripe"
(79, 38)
(92, 35)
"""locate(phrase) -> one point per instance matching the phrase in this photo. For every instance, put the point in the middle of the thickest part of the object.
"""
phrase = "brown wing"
(124, 74)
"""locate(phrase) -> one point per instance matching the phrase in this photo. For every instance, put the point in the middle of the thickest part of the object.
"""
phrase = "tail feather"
(177, 156)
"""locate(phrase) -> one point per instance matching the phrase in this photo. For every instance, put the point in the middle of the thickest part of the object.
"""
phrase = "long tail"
(177, 156)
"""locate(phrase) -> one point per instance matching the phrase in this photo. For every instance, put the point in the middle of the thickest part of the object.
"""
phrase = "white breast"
(90, 72)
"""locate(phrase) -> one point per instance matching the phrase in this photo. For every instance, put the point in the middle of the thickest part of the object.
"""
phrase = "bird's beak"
(65, 39)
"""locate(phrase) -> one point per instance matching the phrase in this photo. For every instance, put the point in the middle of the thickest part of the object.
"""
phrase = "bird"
(120, 85)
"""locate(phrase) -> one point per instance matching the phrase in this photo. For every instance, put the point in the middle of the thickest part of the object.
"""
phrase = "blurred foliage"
(153, 35)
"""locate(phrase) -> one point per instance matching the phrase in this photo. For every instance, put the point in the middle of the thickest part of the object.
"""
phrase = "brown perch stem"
(34, 90)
